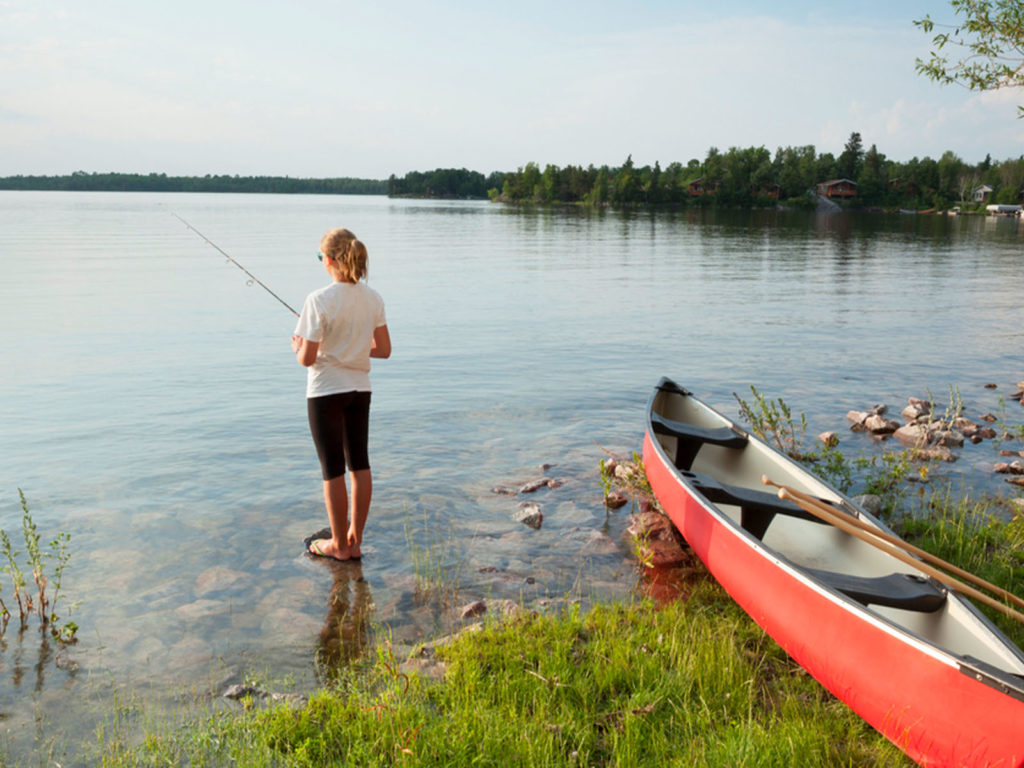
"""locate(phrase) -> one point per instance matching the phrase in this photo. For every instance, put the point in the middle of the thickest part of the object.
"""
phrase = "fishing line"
(252, 277)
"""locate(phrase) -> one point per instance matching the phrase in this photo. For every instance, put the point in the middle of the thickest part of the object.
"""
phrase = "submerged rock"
(615, 500)
(530, 514)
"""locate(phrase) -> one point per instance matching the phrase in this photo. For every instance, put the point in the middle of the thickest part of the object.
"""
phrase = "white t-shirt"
(342, 318)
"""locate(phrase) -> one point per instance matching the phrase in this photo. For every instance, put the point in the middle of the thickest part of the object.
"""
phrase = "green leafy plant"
(773, 422)
(48, 588)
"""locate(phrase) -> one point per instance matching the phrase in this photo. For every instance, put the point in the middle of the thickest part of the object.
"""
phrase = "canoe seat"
(897, 590)
(757, 508)
(690, 438)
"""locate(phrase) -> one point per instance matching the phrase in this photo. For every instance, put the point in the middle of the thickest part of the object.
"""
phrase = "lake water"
(150, 406)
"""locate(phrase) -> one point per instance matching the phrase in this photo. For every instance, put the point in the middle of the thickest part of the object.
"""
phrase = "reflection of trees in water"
(346, 631)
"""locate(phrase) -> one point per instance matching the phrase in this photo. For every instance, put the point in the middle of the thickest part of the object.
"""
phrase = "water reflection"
(346, 631)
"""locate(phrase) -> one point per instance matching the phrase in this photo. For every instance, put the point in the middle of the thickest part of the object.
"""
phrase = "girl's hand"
(296, 343)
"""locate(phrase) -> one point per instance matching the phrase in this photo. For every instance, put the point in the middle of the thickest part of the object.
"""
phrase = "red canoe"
(917, 661)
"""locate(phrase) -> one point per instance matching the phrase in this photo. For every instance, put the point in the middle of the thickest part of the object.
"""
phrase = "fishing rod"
(252, 277)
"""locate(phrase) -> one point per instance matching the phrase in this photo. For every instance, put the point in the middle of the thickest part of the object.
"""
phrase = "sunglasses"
(320, 256)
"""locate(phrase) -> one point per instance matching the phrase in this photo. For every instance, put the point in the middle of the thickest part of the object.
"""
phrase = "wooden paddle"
(898, 542)
(845, 523)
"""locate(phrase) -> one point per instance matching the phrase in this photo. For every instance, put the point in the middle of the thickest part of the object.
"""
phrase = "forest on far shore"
(737, 177)
(80, 181)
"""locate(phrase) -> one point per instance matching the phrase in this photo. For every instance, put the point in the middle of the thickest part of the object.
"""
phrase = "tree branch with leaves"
(990, 40)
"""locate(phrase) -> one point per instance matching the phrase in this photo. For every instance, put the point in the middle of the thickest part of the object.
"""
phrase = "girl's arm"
(305, 350)
(381, 342)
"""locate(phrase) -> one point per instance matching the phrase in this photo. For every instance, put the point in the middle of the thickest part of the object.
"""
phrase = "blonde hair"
(347, 252)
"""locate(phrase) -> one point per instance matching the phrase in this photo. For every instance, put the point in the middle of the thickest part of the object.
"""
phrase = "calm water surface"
(150, 405)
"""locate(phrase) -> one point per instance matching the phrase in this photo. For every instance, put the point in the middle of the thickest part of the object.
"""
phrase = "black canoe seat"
(757, 508)
(690, 438)
(897, 590)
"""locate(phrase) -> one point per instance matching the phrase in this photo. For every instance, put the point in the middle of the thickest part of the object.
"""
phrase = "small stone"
(880, 426)
(991, 385)
(912, 434)
(869, 502)
(473, 610)
(987, 433)
(879, 409)
(615, 500)
(990, 417)
(240, 691)
(535, 485)
(624, 471)
(555, 483)
(935, 454)
(505, 490)
(608, 466)
(1001, 468)
(966, 426)
(830, 439)
(857, 418)
(1016, 480)
(949, 437)
(530, 514)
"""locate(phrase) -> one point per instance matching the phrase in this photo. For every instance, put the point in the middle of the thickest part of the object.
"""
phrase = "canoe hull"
(914, 694)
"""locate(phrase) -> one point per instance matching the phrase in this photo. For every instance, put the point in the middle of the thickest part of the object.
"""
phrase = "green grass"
(692, 683)
(982, 536)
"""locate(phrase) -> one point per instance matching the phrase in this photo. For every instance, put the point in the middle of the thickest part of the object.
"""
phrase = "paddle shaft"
(870, 537)
(898, 542)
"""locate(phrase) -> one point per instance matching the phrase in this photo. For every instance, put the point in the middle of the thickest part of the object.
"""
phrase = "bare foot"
(326, 548)
(353, 546)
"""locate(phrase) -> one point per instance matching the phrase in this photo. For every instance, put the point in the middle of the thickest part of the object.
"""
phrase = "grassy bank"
(687, 683)
(692, 683)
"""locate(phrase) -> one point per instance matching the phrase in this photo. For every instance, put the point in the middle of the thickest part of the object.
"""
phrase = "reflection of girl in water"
(346, 631)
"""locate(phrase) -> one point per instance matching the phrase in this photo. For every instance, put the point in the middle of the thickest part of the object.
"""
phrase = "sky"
(328, 88)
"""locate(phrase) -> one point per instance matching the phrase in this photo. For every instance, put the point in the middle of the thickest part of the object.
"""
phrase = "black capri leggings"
(341, 427)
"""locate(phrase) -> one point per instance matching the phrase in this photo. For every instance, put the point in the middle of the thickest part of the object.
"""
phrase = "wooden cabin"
(697, 188)
(843, 189)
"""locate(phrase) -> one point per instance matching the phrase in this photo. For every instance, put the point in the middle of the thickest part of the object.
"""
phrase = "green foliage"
(772, 421)
(161, 182)
(693, 683)
(444, 183)
(981, 536)
(435, 560)
(989, 37)
(43, 603)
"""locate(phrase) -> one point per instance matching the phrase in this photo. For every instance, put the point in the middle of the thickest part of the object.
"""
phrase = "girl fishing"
(341, 326)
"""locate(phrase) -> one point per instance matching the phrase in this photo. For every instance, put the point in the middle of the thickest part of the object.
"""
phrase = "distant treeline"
(739, 177)
(161, 182)
(446, 183)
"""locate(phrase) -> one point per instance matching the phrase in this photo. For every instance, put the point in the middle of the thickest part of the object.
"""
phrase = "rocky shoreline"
(930, 436)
